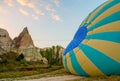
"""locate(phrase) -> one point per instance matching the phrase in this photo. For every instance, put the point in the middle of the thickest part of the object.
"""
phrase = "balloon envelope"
(95, 48)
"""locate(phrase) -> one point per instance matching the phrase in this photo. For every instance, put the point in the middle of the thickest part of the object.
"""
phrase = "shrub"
(20, 57)
(4, 61)
(4, 69)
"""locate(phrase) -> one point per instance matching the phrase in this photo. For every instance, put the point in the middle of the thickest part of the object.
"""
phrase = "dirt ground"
(56, 78)
(64, 78)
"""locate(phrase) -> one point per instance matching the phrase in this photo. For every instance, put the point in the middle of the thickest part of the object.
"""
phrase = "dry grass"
(52, 73)
(26, 72)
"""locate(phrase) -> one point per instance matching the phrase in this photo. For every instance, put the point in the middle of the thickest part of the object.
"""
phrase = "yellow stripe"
(86, 64)
(96, 11)
(85, 41)
(107, 13)
(114, 26)
(90, 32)
(69, 64)
(64, 62)
(110, 49)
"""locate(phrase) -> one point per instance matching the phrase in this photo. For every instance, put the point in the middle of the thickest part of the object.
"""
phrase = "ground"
(62, 75)
(55, 78)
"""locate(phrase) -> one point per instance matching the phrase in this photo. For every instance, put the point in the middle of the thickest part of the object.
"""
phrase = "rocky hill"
(2, 51)
(24, 40)
(20, 44)
(23, 44)
(5, 40)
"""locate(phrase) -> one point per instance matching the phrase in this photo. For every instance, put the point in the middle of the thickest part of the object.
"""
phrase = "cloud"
(24, 12)
(56, 17)
(35, 17)
(9, 2)
(52, 12)
(49, 8)
(22, 2)
(38, 11)
(33, 9)
(3, 10)
(31, 5)
(56, 2)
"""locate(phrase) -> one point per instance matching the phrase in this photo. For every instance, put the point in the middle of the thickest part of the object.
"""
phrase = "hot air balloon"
(95, 48)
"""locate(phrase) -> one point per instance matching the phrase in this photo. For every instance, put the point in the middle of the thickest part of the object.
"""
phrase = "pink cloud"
(38, 11)
(56, 17)
(22, 2)
(35, 17)
(9, 2)
(3, 10)
(24, 12)
(52, 12)
(56, 2)
(27, 14)
(31, 5)
(49, 8)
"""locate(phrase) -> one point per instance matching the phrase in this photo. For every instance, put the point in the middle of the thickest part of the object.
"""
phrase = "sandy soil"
(57, 78)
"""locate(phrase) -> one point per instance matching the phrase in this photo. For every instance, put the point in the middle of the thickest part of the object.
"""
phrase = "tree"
(52, 55)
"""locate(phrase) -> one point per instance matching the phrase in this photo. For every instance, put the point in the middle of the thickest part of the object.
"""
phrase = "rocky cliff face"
(21, 44)
(24, 40)
(24, 44)
(5, 40)
(2, 51)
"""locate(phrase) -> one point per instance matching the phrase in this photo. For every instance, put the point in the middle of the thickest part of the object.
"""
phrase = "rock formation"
(24, 40)
(24, 44)
(5, 40)
(2, 51)
(21, 44)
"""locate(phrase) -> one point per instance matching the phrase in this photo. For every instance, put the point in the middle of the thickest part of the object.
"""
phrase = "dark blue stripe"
(109, 36)
(76, 66)
(103, 62)
(79, 36)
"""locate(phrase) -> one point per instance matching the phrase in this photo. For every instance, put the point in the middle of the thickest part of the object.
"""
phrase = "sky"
(50, 22)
